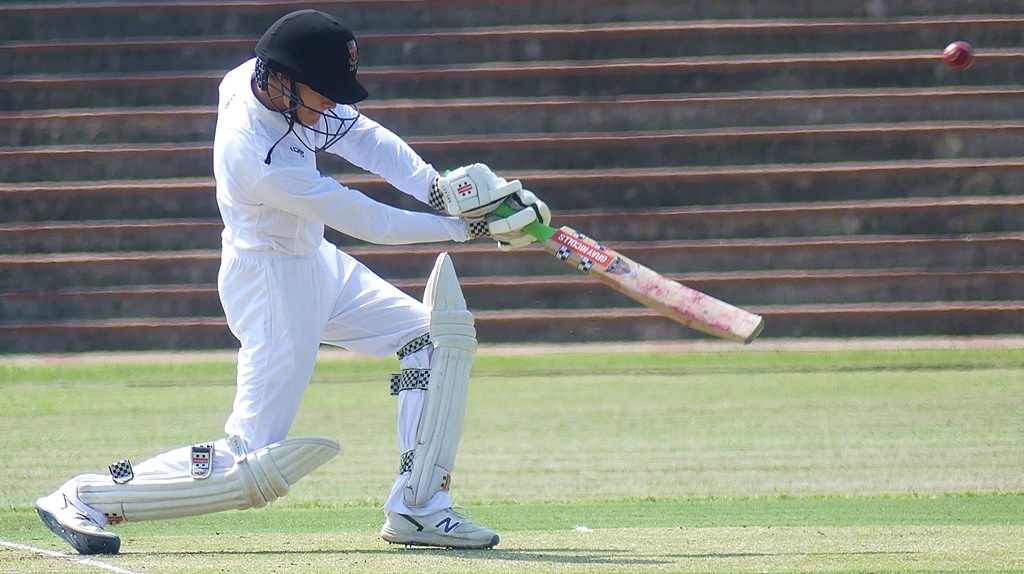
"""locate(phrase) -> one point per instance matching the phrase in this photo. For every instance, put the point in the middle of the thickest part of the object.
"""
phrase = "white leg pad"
(256, 479)
(440, 427)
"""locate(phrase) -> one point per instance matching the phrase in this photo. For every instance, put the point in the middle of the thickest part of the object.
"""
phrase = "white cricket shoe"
(446, 528)
(80, 530)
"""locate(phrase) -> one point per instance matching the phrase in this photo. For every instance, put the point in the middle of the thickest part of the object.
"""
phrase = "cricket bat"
(672, 299)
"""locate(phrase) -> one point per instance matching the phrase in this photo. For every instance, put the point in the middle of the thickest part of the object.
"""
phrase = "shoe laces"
(460, 512)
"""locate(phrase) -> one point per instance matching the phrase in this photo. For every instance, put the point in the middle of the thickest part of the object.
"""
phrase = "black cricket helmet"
(313, 48)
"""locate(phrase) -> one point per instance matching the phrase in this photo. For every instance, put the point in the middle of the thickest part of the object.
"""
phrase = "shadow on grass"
(536, 555)
(767, 554)
(539, 555)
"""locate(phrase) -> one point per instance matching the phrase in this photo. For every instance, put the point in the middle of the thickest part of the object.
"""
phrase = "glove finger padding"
(528, 199)
(491, 225)
(508, 231)
(515, 241)
(498, 226)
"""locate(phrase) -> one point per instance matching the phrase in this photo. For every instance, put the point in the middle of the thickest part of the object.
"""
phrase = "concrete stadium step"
(850, 320)
(510, 152)
(682, 256)
(934, 216)
(57, 271)
(558, 292)
(74, 336)
(82, 270)
(509, 79)
(92, 303)
(551, 115)
(106, 126)
(563, 190)
(779, 183)
(831, 287)
(525, 43)
(728, 146)
(60, 20)
(109, 236)
(104, 162)
(77, 201)
(763, 108)
(548, 325)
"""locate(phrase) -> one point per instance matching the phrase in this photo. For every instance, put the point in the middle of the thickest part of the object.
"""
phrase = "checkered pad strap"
(121, 471)
(410, 379)
(414, 345)
(405, 465)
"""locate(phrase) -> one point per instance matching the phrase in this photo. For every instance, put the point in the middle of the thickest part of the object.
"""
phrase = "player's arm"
(376, 149)
(371, 146)
(306, 194)
(475, 193)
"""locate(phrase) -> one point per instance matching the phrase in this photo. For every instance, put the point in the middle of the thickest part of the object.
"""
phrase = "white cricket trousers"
(281, 308)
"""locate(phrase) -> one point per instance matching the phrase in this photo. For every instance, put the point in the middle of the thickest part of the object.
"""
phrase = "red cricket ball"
(958, 55)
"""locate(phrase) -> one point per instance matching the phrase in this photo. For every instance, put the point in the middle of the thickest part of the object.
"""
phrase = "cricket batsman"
(285, 290)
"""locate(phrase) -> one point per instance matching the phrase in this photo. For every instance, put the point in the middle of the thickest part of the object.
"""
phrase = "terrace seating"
(813, 163)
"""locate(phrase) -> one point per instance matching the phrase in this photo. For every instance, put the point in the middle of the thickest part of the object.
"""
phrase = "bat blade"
(685, 305)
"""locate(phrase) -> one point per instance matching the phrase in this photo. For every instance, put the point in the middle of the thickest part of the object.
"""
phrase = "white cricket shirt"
(285, 205)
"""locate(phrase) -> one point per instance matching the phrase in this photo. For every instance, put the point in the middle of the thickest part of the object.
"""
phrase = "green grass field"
(740, 460)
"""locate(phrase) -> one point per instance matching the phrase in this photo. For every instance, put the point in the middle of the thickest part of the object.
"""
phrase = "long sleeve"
(351, 212)
(376, 149)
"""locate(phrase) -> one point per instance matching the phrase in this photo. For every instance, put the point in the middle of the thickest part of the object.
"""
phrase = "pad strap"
(414, 345)
(410, 379)
(121, 471)
(405, 464)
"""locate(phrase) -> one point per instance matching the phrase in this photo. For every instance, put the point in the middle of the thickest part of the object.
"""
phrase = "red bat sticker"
(583, 248)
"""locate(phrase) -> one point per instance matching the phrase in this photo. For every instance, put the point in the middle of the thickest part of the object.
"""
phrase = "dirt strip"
(761, 345)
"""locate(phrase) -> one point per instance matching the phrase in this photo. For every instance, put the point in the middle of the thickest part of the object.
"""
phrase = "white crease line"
(55, 554)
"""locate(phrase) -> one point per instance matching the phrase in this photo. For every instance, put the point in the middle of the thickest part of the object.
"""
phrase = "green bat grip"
(537, 229)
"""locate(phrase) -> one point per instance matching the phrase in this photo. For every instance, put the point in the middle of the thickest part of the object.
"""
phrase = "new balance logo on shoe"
(448, 525)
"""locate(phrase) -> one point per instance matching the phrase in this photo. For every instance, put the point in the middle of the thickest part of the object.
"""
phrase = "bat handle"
(537, 229)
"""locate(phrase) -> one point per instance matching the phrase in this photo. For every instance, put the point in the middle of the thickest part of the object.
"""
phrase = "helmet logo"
(353, 55)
